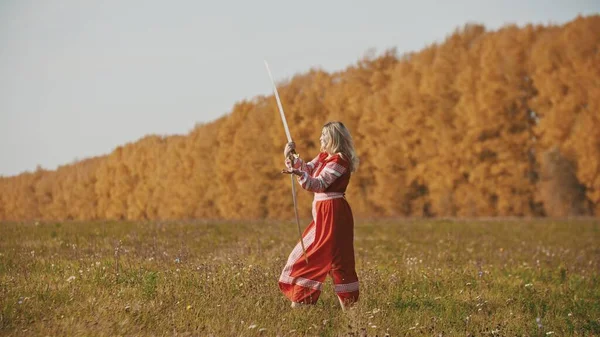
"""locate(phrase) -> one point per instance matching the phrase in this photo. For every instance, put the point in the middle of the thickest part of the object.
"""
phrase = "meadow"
(510, 277)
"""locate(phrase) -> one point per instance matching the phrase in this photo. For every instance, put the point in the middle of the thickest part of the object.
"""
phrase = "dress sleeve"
(332, 170)
(309, 167)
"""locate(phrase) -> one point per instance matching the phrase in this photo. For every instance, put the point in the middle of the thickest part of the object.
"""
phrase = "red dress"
(329, 239)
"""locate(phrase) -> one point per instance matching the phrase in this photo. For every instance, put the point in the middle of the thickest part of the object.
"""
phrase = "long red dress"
(329, 239)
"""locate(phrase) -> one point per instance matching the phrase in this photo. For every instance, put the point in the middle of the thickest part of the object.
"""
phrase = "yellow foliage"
(487, 123)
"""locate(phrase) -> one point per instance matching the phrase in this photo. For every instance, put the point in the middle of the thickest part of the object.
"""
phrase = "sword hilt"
(293, 155)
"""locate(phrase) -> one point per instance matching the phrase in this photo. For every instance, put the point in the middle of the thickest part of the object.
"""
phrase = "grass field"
(448, 278)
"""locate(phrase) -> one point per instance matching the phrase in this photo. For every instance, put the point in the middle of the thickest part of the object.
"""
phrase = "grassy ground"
(449, 278)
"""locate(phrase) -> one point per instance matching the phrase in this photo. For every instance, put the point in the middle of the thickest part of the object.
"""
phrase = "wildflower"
(539, 322)
(252, 326)
(529, 285)
(188, 307)
(177, 260)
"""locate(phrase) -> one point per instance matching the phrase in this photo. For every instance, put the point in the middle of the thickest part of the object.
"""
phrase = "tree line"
(487, 123)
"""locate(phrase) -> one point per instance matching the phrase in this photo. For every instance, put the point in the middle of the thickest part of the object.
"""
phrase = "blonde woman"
(329, 239)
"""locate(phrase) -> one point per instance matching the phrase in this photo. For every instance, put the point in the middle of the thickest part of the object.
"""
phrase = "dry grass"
(449, 278)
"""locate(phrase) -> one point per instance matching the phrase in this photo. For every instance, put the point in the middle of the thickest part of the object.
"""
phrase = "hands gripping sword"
(289, 138)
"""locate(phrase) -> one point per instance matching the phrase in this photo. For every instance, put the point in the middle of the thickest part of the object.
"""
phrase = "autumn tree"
(486, 123)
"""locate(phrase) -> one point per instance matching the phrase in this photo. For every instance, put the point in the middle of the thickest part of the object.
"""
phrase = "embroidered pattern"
(328, 195)
(306, 167)
(346, 288)
(295, 256)
(309, 283)
(326, 177)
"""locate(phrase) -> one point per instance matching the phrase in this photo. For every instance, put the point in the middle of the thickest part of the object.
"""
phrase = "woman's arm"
(332, 170)
(302, 166)
(298, 163)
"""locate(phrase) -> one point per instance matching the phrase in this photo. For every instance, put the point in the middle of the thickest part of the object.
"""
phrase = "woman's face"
(324, 138)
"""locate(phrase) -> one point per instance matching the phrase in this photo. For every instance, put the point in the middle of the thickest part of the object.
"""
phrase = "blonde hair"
(340, 141)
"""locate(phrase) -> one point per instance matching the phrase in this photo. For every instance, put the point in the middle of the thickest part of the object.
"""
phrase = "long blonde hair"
(340, 141)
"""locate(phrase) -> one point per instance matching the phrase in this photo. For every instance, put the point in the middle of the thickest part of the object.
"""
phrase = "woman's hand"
(292, 171)
(289, 149)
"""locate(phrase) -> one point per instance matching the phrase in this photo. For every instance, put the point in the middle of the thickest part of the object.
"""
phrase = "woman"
(329, 239)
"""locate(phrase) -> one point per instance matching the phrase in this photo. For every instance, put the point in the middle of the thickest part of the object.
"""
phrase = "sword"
(289, 138)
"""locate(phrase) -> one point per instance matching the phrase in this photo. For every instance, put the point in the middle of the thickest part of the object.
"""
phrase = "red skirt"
(329, 243)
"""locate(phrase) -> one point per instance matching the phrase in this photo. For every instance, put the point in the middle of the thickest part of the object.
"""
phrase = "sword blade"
(285, 125)
(298, 219)
(289, 138)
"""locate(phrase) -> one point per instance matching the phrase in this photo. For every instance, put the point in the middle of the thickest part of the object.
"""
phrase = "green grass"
(495, 278)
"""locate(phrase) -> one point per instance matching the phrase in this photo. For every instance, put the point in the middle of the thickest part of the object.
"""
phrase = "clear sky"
(78, 78)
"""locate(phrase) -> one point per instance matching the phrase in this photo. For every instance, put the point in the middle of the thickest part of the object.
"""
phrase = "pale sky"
(79, 78)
